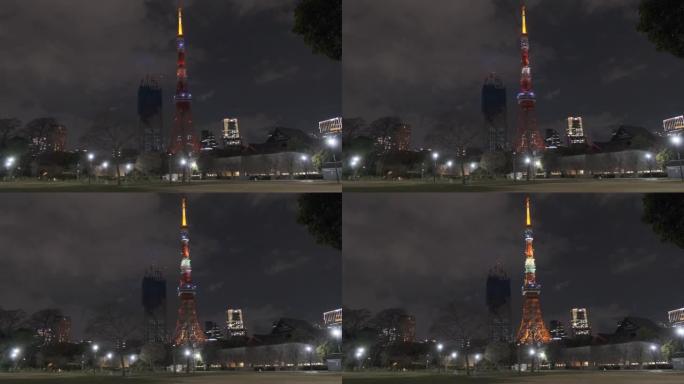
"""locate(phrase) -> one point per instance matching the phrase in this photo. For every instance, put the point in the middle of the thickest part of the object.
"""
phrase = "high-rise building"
(231, 133)
(676, 317)
(499, 305)
(330, 127)
(235, 323)
(188, 330)
(529, 141)
(580, 322)
(51, 137)
(209, 142)
(63, 334)
(495, 110)
(154, 306)
(403, 330)
(150, 114)
(212, 331)
(395, 138)
(532, 327)
(332, 318)
(575, 131)
(557, 330)
(674, 126)
(553, 139)
(184, 140)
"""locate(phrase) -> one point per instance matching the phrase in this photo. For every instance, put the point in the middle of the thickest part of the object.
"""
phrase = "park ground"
(212, 186)
(197, 378)
(539, 185)
(562, 377)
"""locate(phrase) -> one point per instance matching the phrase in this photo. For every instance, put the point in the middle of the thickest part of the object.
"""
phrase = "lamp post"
(435, 156)
(305, 163)
(528, 162)
(355, 163)
(336, 334)
(452, 357)
(360, 353)
(187, 353)
(91, 157)
(532, 353)
(95, 348)
(332, 143)
(309, 351)
(649, 157)
(9, 165)
(183, 164)
(654, 349)
(677, 141)
(440, 347)
(15, 355)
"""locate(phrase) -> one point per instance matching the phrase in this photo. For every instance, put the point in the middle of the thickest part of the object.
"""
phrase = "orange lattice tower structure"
(532, 329)
(188, 330)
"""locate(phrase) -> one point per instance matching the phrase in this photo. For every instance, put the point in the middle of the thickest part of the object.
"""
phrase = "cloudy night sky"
(74, 252)
(423, 60)
(72, 59)
(592, 251)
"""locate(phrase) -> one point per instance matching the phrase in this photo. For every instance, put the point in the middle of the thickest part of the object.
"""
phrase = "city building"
(557, 330)
(396, 138)
(495, 111)
(51, 137)
(580, 322)
(154, 306)
(188, 330)
(63, 334)
(332, 318)
(528, 138)
(331, 127)
(212, 331)
(150, 114)
(403, 330)
(208, 142)
(235, 323)
(498, 299)
(575, 131)
(532, 329)
(674, 126)
(676, 317)
(552, 139)
(231, 133)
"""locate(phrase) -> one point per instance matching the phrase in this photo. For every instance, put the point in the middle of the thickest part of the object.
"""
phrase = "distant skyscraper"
(64, 330)
(212, 331)
(575, 131)
(557, 330)
(150, 101)
(154, 305)
(331, 127)
(499, 305)
(552, 139)
(231, 133)
(332, 318)
(395, 138)
(208, 142)
(580, 322)
(674, 126)
(407, 329)
(495, 110)
(235, 323)
(676, 317)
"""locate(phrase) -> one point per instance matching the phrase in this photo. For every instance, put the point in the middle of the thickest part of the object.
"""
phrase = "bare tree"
(455, 136)
(111, 323)
(111, 135)
(46, 322)
(8, 127)
(459, 323)
(10, 320)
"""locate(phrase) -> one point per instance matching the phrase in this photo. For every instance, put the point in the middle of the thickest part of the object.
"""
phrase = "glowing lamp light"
(473, 165)
(538, 164)
(183, 162)
(542, 355)
(680, 331)
(435, 156)
(450, 164)
(105, 165)
(676, 140)
(528, 160)
(198, 356)
(653, 347)
(133, 358)
(109, 356)
(336, 333)
(187, 352)
(95, 347)
(360, 351)
(532, 352)
(649, 156)
(454, 355)
(15, 353)
(91, 156)
(332, 142)
(129, 167)
(478, 357)
(304, 158)
(308, 348)
(440, 347)
(193, 165)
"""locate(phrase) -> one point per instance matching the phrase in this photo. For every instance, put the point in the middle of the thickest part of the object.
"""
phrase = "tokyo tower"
(188, 330)
(532, 329)
(529, 141)
(184, 141)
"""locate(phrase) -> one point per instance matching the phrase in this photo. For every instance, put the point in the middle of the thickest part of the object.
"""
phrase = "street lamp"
(336, 333)
(95, 348)
(677, 141)
(109, 356)
(9, 164)
(649, 157)
(532, 353)
(187, 353)
(14, 355)
(528, 162)
(435, 156)
(680, 331)
(309, 350)
(91, 157)
(360, 352)
(332, 143)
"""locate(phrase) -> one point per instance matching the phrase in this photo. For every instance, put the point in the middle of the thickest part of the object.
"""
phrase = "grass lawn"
(540, 185)
(210, 186)
(561, 377)
(197, 378)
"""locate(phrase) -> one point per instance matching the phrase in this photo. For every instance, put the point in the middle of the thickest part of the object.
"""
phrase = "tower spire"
(184, 221)
(180, 22)
(524, 20)
(527, 208)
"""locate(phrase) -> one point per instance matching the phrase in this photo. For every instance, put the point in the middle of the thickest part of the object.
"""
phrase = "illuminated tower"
(529, 140)
(188, 330)
(532, 329)
(184, 141)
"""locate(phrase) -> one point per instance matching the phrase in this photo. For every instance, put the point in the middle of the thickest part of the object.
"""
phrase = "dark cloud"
(74, 58)
(592, 251)
(75, 251)
(424, 60)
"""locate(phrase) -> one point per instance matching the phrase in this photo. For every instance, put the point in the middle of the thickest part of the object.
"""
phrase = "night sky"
(427, 60)
(592, 251)
(75, 251)
(74, 58)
